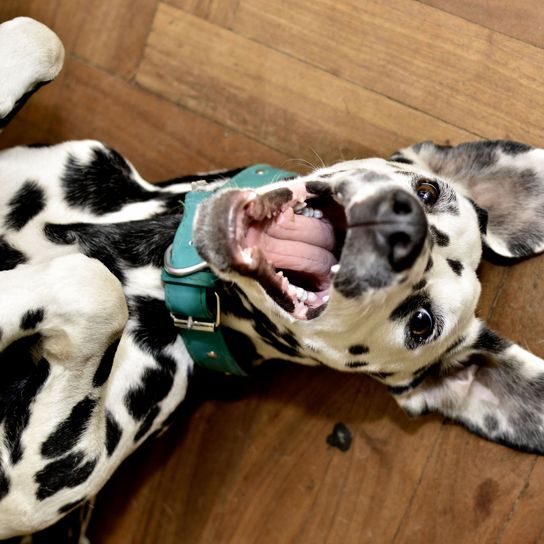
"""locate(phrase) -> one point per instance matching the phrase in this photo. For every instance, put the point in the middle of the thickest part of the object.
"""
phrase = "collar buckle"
(191, 324)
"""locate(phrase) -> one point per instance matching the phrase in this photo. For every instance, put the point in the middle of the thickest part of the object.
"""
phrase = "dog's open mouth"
(290, 241)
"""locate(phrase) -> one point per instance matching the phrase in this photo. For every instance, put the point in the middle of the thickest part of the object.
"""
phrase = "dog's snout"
(398, 224)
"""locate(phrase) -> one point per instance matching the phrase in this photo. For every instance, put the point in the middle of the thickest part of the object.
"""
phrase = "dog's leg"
(69, 312)
(73, 302)
(30, 55)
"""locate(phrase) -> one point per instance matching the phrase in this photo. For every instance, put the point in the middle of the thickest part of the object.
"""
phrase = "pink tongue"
(298, 243)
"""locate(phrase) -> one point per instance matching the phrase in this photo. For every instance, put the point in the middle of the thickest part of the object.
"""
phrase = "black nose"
(398, 223)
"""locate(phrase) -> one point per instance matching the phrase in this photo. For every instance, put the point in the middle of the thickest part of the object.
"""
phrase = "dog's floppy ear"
(494, 388)
(504, 179)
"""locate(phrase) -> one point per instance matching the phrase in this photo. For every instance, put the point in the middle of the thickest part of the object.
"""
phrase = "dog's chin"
(289, 240)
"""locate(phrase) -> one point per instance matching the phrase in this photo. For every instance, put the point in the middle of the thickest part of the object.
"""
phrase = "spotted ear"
(495, 388)
(504, 179)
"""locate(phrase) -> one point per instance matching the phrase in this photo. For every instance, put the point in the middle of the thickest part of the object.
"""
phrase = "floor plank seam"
(417, 484)
(132, 79)
(480, 25)
(522, 492)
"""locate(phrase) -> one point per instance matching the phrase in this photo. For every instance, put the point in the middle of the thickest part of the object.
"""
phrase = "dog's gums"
(290, 241)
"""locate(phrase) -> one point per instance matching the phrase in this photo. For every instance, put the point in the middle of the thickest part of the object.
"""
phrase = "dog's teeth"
(318, 214)
(335, 268)
(312, 297)
(246, 255)
(302, 295)
(292, 290)
(299, 207)
(326, 298)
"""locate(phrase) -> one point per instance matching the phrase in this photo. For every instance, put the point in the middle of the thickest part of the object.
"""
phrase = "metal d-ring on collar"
(189, 284)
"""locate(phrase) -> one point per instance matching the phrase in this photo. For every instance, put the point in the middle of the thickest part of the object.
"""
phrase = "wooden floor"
(189, 85)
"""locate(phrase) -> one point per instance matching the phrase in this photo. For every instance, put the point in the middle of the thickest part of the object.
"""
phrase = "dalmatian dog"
(367, 266)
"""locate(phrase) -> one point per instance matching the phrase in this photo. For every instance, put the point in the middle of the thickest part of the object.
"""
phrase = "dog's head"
(371, 265)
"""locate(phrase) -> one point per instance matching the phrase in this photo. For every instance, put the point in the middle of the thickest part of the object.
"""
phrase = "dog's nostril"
(402, 204)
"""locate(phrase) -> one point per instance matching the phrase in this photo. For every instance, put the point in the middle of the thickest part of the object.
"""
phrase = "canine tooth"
(335, 268)
(326, 298)
(300, 206)
(302, 295)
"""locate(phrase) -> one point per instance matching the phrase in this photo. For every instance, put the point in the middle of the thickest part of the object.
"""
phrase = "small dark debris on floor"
(340, 437)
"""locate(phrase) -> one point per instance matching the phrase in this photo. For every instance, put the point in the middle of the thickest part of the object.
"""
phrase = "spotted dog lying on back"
(365, 266)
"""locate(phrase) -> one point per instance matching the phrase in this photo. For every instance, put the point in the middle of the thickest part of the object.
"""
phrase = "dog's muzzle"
(385, 235)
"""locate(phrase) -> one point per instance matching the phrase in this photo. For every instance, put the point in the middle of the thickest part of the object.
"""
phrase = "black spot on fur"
(119, 246)
(512, 148)
(429, 264)
(155, 385)
(490, 341)
(146, 423)
(113, 433)
(235, 302)
(419, 285)
(315, 312)
(69, 432)
(20, 383)
(356, 364)
(409, 305)
(358, 349)
(318, 188)
(37, 145)
(241, 348)
(401, 159)
(104, 368)
(456, 266)
(70, 506)
(104, 184)
(151, 324)
(420, 375)
(491, 423)
(4, 483)
(9, 256)
(27, 202)
(32, 318)
(440, 238)
(68, 471)
(340, 437)
(483, 216)
(456, 344)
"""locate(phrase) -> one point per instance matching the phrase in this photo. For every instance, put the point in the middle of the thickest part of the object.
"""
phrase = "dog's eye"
(427, 192)
(421, 324)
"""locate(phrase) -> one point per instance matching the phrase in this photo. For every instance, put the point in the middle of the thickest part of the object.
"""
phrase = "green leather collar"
(190, 286)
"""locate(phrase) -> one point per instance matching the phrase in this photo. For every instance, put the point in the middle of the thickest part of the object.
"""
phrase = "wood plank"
(526, 522)
(160, 139)
(254, 466)
(37, 9)
(219, 12)
(278, 100)
(111, 35)
(467, 491)
(471, 77)
(521, 20)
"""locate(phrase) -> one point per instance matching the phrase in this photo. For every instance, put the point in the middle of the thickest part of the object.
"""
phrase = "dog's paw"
(30, 54)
